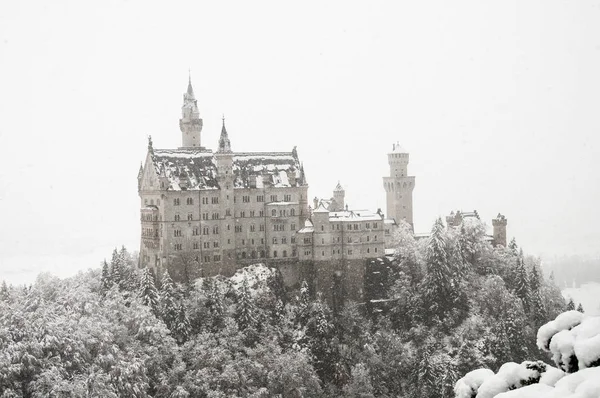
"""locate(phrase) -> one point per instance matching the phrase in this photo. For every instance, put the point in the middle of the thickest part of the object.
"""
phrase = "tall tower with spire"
(190, 123)
(399, 186)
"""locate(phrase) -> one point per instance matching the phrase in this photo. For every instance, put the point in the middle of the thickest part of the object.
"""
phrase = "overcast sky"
(497, 102)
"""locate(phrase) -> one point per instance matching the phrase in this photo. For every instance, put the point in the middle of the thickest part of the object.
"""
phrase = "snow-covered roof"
(397, 148)
(308, 227)
(354, 215)
(190, 169)
(282, 203)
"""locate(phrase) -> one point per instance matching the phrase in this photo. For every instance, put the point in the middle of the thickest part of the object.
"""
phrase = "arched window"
(273, 212)
(274, 253)
(293, 212)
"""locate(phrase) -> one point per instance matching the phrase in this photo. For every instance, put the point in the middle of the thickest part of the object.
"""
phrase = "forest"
(446, 306)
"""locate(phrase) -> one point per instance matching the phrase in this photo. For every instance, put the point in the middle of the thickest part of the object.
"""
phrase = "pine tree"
(245, 309)
(570, 304)
(105, 279)
(580, 308)
(116, 270)
(214, 303)
(360, 385)
(538, 311)
(181, 329)
(167, 301)
(439, 288)
(148, 291)
(513, 247)
(522, 285)
(4, 292)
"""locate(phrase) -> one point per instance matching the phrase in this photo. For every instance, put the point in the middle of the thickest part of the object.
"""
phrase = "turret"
(399, 186)
(499, 230)
(190, 123)
(339, 197)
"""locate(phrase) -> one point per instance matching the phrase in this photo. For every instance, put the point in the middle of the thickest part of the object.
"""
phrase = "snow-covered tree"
(360, 383)
(580, 308)
(148, 291)
(570, 304)
(168, 301)
(105, 280)
(245, 312)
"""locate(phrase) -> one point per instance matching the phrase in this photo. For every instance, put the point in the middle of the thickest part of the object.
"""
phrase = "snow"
(256, 275)
(570, 383)
(532, 391)
(564, 321)
(470, 383)
(587, 351)
(551, 376)
(492, 387)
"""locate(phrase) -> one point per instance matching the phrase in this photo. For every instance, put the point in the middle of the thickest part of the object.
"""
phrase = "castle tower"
(338, 197)
(224, 163)
(399, 186)
(499, 233)
(190, 123)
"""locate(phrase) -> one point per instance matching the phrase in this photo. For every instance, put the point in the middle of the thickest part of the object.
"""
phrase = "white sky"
(497, 103)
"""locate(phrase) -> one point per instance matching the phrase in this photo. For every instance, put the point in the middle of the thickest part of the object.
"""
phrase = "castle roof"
(354, 216)
(189, 168)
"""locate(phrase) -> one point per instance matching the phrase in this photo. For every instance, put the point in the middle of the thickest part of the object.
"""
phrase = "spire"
(338, 187)
(190, 90)
(224, 143)
(150, 148)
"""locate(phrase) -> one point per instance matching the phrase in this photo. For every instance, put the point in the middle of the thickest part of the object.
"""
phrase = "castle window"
(215, 216)
(176, 202)
(177, 217)
(285, 253)
(205, 231)
(243, 254)
(349, 252)
(234, 199)
(274, 241)
(242, 214)
(293, 239)
(261, 213)
(273, 198)
(283, 241)
(368, 225)
(251, 213)
(322, 228)
(322, 241)
(355, 227)
(374, 225)
(196, 246)
(287, 198)
(189, 201)
(177, 233)
(273, 213)
(146, 202)
(196, 231)
(368, 250)
(349, 240)
(216, 243)
(205, 216)
(238, 228)
(274, 253)
(206, 245)
(292, 212)
(260, 198)
(294, 253)
(246, 199)
(252, 228)
(375, 250)
(228, 227)
(217, 257)
(253, 255)
(261, 227)
(281, 213)
(243, 242)
(214, 200)
(262, 241)
(252, 242)
(293, 227)
(216, 229)
(178, 246)
(190, 217)
(228, 212)
(204, 201)
(207, 259)
(348, 226)
(375, 238)
(368, 238)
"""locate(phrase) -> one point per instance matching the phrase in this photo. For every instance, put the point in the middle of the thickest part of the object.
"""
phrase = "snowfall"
(573, 341)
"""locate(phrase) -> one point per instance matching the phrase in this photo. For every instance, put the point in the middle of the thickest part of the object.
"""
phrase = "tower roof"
(397, 148)
(190, 89)
(224, 143)
(338, 188)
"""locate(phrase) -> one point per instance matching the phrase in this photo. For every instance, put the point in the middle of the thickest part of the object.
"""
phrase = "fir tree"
(570, 304)
(522, 285)
(4, 292)
(181, 327)
(538, 311)
(245, 309)
(167, 300)
(360, 385)
(438, 285)
(116, 269)
(214, 303)
(512, 246)
(105, 279)
(580, 308)
(148, 291)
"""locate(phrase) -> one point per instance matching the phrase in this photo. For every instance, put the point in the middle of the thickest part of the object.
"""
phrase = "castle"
(205, 213)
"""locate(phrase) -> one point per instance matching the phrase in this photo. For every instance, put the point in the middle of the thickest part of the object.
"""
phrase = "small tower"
(338, 197)
(224, 164)
(190, 123)
(399, 186)
(499, 234)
